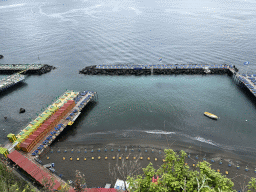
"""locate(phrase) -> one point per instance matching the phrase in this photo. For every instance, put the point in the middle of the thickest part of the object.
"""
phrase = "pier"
(9, 81)
(158, 69)
(29, 68)
(248, 81)
(24, 148)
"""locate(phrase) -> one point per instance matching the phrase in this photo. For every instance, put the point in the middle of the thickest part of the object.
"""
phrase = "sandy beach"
(97, 172)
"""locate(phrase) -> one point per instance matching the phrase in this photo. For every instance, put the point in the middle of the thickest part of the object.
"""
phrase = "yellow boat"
(210, 115)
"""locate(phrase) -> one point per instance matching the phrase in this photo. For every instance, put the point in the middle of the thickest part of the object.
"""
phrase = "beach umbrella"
(247, 63)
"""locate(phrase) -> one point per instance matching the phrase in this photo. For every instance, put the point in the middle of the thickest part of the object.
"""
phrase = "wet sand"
(98, 172)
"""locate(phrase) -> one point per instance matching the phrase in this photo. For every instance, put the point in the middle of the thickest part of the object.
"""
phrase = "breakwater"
(159, 69)
(29, 68)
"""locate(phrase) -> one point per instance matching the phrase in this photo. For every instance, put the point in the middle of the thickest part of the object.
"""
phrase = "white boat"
(210, 115)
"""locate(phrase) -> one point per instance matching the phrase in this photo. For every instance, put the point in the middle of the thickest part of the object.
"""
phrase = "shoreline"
(99, 170)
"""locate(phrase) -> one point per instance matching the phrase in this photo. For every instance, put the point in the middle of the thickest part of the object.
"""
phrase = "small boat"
(211, 115)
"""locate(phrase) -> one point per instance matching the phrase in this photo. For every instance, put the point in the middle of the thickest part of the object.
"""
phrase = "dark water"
(73, 34)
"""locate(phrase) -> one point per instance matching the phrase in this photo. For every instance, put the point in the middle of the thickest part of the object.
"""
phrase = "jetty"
(10, 81)
(158, 69)
(246, 80)
(24, 148)
(26, 68)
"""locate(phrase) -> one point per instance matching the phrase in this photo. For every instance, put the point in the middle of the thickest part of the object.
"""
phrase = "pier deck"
(248, 81)
(10, 81)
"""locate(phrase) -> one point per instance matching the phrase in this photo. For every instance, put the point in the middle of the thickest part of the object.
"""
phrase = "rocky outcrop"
(45, 69)
(22, 110)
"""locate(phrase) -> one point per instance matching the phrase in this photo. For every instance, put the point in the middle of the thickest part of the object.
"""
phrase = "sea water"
(73, 34)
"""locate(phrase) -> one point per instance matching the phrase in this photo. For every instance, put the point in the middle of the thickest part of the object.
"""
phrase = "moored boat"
(210, 115)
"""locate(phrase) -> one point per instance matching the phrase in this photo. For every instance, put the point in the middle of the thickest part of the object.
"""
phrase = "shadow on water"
(12, 89)
(71, 130)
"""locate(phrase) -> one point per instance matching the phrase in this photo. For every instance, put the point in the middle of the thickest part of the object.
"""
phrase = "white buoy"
(109, 107)
(245, 120)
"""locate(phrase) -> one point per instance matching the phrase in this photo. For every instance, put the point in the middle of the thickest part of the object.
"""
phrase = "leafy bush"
(175, 175)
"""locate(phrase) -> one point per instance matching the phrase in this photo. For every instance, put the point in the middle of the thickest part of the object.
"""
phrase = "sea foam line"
(11, 6)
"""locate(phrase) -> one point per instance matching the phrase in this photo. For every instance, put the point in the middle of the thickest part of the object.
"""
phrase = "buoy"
(186, 163)
(47, 157)
(163, 160)
(134, 157)
(63, 158)
(92, 158)
(155, 159)
(84, 159)
(148, 158)
(127, 158)
(5, 117)
(141, 158)
(106, 158)
(226, 172)
(70, 158)
(245, 120)
(109, 107)
(114, 157)
(218, 170)
(120, 158)
(99, 157)
(77, 158)
(194, 165)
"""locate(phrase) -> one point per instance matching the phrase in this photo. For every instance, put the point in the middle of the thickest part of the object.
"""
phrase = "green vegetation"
(10, 182)
(175, 175)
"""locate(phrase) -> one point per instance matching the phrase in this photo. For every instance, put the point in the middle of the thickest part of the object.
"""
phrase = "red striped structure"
(32, 169)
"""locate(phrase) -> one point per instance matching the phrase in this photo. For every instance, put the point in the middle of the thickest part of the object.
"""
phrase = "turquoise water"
(73, 34)
(145, 105)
